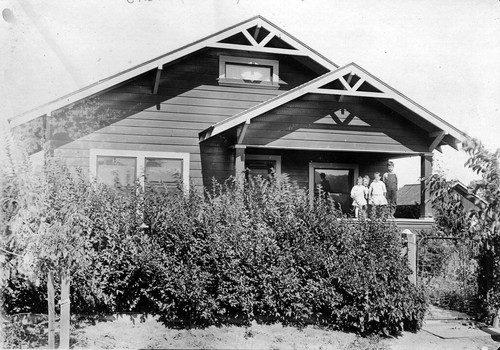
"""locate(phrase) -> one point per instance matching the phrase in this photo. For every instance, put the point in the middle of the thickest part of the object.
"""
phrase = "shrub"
(233, 255)
(268, 253)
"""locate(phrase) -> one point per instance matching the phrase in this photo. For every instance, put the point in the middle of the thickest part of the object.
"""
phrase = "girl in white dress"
(358, 195)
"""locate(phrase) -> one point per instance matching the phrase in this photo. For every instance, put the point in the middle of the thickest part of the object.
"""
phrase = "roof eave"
(123, 76)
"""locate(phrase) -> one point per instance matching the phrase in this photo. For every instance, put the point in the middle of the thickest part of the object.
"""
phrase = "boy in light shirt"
(377, 194)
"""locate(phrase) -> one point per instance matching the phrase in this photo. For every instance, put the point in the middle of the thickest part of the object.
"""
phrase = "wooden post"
(51, 310)
(239, 163)
(425, 174)
(65, 311)
(412, 254)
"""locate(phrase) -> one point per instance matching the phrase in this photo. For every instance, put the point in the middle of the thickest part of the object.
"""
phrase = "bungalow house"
(250, 97)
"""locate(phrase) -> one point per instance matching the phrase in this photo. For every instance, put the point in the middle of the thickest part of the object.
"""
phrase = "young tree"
(481, 223)
(42, 221)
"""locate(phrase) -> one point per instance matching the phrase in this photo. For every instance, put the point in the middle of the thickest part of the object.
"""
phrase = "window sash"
(142, 157)
(249, 73)
(245, 71)
(112, 170)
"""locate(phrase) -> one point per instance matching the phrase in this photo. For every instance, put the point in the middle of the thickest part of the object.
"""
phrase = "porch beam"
(425, 174)
(357, 150)
(258, 49)
(351, 93)
(157, 79)
(437, 140)
(243, 131)
(249, 37)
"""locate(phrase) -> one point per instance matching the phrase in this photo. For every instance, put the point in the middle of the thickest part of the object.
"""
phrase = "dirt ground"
(122, 333)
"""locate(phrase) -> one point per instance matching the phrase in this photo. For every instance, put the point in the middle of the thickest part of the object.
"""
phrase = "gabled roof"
(351, 80)
(410, 195)
(256, 34)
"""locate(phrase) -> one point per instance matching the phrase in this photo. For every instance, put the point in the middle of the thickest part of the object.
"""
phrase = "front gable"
(318, 122)
(389, 113)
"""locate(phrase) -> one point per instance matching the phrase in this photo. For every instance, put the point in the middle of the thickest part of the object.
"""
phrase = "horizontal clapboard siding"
(321, 122)
(189, 100)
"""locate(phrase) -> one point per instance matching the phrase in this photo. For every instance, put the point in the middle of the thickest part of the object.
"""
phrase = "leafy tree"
(480, 224)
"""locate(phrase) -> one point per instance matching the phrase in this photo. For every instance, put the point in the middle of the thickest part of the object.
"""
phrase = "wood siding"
(295, 163)
(189, 100)
(321, 122)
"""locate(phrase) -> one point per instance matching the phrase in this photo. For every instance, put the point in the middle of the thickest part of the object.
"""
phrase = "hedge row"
(264, 253)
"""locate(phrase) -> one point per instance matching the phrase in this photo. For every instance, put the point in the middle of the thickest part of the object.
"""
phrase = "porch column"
(411, 239)
(425, 174)
(239, 162)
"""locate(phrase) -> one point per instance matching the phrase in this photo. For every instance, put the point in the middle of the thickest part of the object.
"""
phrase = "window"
(263, 165)
(340, 177)
(240, 71)
(123, 167)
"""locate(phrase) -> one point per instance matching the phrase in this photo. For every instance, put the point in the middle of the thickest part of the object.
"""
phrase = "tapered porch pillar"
(239, 162)
(425, 174)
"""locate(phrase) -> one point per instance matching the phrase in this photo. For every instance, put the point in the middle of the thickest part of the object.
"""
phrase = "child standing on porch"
(390, 180)
(377, 194)
(358, 195)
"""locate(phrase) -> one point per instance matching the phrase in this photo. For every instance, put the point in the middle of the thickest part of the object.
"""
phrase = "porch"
(340, 169)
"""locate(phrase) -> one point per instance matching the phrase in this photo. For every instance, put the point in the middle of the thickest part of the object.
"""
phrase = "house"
(250, 97)
(409, 196)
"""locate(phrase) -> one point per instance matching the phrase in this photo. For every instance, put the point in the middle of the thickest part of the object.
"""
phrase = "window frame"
(140, 162)
(271, 157)
(333, 166)
(274, 64)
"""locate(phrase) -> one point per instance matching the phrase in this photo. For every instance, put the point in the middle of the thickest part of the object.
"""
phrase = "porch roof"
(364, 85)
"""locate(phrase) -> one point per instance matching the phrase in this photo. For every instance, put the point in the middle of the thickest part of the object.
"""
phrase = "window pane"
(262, 167)
(251, 73)
(340, 182)
(161, 172)
(116, 170)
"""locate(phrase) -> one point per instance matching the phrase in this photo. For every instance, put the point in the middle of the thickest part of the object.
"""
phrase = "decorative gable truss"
(261, 36)
(350, 80)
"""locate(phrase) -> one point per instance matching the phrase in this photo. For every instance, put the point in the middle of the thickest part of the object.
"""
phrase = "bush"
(266, 253)
(263, 252)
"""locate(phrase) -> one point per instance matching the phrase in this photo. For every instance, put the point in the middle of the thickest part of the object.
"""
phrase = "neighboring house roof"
(254, 43)
(464, 191)
(410, 195)
(365, 85)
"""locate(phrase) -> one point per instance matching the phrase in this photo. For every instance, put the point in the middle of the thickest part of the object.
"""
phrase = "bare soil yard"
(122, 333)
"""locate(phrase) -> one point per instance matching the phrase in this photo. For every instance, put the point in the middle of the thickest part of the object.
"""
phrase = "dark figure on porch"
(325, 185)
(390, 180)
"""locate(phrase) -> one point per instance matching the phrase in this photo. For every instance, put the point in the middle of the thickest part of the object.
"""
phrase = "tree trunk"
(51, 310)
(65, 311)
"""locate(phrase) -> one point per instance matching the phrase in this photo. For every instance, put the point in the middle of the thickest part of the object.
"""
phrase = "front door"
(339, 177)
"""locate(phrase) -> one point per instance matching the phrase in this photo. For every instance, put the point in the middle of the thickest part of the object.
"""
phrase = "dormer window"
(254, 72)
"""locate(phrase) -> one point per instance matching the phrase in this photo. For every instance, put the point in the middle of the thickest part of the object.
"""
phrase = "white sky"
(442, 54)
